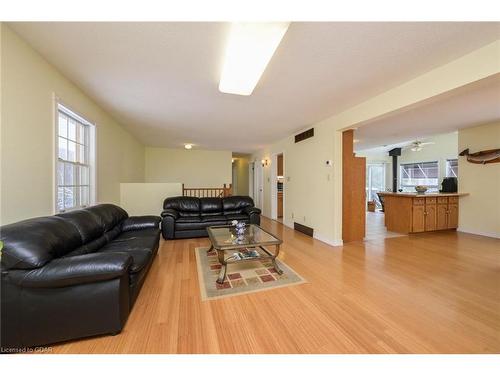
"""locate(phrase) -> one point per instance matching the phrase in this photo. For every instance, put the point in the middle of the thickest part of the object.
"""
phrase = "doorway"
(258, 190)
(277, 186)
(375, 183)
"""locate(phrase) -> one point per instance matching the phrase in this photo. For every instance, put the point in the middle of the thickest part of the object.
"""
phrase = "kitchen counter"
(414, 212)
(419, 195)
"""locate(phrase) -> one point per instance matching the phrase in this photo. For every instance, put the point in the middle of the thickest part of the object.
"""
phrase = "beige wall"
(28, 85)
(308, 183)
(480, 211)
(194, 168)
(147, 198)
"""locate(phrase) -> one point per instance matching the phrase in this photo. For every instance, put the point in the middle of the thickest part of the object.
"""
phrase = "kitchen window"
(425, 173)
(452, 168)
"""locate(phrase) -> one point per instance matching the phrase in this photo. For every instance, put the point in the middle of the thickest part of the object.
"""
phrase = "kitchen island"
(414, 212)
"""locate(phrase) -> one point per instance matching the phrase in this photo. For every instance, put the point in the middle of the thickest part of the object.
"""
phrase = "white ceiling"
(161, 79)
(473, 104)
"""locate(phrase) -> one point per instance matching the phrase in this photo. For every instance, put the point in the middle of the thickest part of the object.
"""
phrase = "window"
(452, 168)
(414, 174)
(75, 156)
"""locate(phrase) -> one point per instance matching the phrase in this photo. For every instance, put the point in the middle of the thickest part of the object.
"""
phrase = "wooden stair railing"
(216, 192)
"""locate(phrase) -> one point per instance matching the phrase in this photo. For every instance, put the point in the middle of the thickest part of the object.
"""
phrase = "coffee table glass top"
(225, 238)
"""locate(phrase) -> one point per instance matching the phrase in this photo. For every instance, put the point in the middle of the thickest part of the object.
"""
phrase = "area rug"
(241, 278)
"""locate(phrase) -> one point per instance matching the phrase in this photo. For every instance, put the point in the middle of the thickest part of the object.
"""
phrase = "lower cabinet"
(434, 214)
(430, 217)
(452, 215)
(442, 216)
(418, 219)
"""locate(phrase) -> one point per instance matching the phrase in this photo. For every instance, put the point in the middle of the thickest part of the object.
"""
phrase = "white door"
(258, 185)
(251, 184)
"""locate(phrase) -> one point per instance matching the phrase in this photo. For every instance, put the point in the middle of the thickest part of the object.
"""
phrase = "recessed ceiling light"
(249, 50)
(188, 146)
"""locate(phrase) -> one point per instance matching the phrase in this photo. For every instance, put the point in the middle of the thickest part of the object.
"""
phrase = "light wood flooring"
(429, 293)
(375, 227)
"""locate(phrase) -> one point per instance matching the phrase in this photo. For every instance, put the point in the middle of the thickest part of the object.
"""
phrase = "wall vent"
(304, 135)
(303, 229)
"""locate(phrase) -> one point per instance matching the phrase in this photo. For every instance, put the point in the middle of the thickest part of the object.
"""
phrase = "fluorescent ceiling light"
(249, 50)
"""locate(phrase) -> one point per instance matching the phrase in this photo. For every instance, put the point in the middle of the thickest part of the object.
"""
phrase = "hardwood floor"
(375, 227)
(428, 293)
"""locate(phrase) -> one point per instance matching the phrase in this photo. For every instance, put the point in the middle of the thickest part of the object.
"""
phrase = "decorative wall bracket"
(482, 157)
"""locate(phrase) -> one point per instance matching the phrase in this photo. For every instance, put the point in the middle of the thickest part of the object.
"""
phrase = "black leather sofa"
(188, 217)
(73, 275)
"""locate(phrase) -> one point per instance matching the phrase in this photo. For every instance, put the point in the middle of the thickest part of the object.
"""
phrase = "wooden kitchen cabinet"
(414, 213)
(452, 215)
(442, 217)
(430, 216)
(418, 218)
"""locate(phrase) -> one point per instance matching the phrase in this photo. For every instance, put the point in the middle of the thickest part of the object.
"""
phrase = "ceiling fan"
(418, 145)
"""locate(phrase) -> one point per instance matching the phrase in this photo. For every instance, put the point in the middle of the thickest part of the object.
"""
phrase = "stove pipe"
(395, 152)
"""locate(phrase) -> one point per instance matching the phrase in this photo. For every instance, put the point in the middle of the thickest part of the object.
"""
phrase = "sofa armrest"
(74, 270)
(170, 212)
(252, 210)
(140, 222)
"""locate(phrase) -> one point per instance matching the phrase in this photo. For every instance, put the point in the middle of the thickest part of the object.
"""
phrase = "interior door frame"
(258, 185)
(369, 166)
(251, 185)
(274, 185)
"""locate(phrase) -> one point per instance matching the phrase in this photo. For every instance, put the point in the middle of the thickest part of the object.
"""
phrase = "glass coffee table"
(226, 242)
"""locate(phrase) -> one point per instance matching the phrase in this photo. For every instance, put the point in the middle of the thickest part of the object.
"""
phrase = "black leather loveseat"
(73, 275)
(187, 217)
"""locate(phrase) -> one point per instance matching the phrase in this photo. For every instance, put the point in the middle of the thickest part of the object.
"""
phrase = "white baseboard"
(479, 233)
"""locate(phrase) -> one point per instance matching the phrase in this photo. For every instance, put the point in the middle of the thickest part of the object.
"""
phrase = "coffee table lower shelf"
(224, 263)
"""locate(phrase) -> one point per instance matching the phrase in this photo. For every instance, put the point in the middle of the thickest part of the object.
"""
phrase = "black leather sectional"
(187, 217)
(73, 275)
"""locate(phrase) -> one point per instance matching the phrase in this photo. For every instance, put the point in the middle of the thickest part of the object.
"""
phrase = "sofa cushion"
(189, 219)
(34, 242)
(87, 223)
(210, 206)
(236, 204)
(140, 239)
(199, 225)
(109, 215)
(141, 233)
(140, 257)
(212, 218)
(89, 247)
(185, 206)
(239, 217)
(138, 244)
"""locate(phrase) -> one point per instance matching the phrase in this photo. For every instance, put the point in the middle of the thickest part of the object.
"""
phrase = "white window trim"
(92, 153)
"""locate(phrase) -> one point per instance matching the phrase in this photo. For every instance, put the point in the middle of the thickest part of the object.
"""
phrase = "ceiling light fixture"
(188, 146)
(249, 50)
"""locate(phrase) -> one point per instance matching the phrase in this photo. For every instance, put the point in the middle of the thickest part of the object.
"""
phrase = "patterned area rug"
(241, 278)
